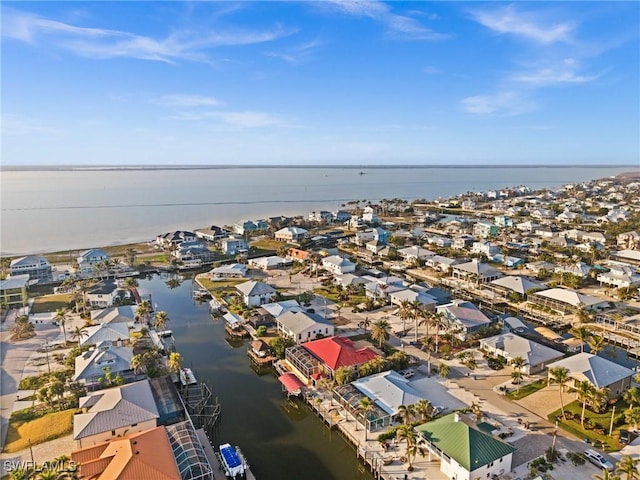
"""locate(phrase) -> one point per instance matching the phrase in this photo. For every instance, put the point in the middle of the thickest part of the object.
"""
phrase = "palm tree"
(424, 409)
(632, 397)
(366, 406)
(130, 283)
(516, 377)
(175, 362)
(596, 344)
(380, 331)
(137, 364)
(78, 333)
(606, 475)
(628, 466)
(406, 312)
(61, 317)
(581, 333)
(407, 433)
(585, 391)
(518, 363)
(131, 255)
(406, 412)
(632, 416)
(417, 310)
(364, 324)
(143, 311)
(583, 315)
(560, 375)
(443, 370)
(160, 320)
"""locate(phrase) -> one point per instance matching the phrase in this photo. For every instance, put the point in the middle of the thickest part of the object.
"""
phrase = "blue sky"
(329, 82)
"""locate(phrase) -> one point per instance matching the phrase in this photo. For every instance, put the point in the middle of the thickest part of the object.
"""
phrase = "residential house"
(124, 314)
(369, 215)
(88, 260)
(194, 254)
(475, 271)
(341, 216)
(303, 326)
(462, 242)
(503, 221)
(620, 275)
(579, 269)
(291, 234)
(232, 270)
(338, 265)
(527, 226)
(485, 230)
(439, 241)
(38, 268)
(516, 284)
(398, 297)
(628, 241)
(465, 451)
(414, 253)
(90, 366)
(509, 345)
(598, 371)
(248, 226)
(114, 412)
(13, 291)
(443, 264)
(145, 454)
(565, 300)
(233, 245)
(103, 294)
(255, 293)
(375, 246)
(542, 213)
(485, 248)
(269, 263)
(212, 233)
(166, 240)
(321, 216)
(464, 318)
(537, 267)
(117, 333)
(349, 279)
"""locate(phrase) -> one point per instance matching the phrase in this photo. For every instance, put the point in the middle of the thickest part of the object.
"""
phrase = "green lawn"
(51, 303)
(221, 288)
(526, 390)
(266, 244)
(604, 419)
(20, 433)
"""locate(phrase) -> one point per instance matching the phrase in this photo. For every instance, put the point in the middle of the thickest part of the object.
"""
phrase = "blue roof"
(230, 456)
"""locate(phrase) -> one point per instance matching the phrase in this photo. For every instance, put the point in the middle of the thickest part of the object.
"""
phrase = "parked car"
(624, 436)
(408, 373)
(598, 460)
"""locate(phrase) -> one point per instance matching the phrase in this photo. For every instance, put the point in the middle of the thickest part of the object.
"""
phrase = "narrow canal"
(282, 440)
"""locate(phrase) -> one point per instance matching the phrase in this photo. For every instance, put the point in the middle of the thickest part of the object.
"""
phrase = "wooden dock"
(218, 471)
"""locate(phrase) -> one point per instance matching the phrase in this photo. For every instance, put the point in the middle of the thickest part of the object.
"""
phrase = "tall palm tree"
(364, 324)
(160, 320)
(137, 364)
(632, 397)
(596, 344)
(406, 312)
(417, 309)
(143, 311)
(61, 318)
(406, 412)
(380, 331)
(365, 407)
(560, 376)
(628, 466)
(79, 333)
(404, 432)
(581, 333)
(585, 391)
(424, 409)
(518, 363)
(175, 362)
(443, 370)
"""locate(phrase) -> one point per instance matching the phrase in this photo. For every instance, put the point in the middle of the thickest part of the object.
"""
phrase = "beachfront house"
(38, 268)
(598, 371)
(13, 292)
(233, 245)
(114, 412)
(102, 294)
(88, 260)
(166, 240)
(255, 293)
(212, 233)
(303, 326)
(291, 234)
(465, 451)
(510, 346)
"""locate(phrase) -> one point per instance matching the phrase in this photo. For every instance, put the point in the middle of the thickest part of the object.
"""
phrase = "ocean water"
(70, 209)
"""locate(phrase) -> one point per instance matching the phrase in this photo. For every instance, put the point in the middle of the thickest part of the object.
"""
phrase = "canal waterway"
(281, 439)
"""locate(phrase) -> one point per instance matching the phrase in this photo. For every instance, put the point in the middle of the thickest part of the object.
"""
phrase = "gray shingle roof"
(254, 288)
(599, 371)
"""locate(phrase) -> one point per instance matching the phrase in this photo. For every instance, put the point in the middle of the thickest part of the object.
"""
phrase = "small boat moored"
(233, 462)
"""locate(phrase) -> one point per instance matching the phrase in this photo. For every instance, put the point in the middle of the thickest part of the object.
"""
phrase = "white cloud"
(508, 20)
(100, 43)
(244, 119)
(501, 104)
(184, 100)
(15, 125)
(398, 25)
(297, 54)
(565, 73)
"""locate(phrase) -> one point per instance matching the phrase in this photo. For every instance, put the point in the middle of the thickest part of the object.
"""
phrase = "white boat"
(233, 461)
(187, 377)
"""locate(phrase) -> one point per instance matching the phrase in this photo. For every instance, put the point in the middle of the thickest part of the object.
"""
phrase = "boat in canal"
(233, 462)
(187, 377)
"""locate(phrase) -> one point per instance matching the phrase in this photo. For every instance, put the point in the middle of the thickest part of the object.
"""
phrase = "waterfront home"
(566, 300)
(517, 284)
(369, 215)
(278, 308)
(90, 366)
(509, 345)
(439, 241)
(349, 279)
(233, 270)
(630, 256)
(620, 275)
(321, 358)
(475, 271)
(485, 230)
(13, 292)
(255, 293)
(303, 326)
(299, 254)
(212, 233)
(113, 412)
(88, 260)
(338, 265)
(248, 226)
(507, 261)
(103, 294)
(38, 268)
(166, 240)
(233, 245)
(124, 314)
(194, 253)
(628, 240)
(110, 332)
(598, 371)
(465, 451)
(501, 221)
(426, 301)
(443, 264)
(464, 319)
(341, 215)
(488, 249)
(414, 253)
(145, 454)
(321, 216)
(291, 234)
(269, 263)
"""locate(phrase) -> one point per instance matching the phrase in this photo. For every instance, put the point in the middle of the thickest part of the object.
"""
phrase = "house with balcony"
(38, 268)
(88, 260)
(620, 275)
(13, 291)
(291, 234)
(255, 293)
(233, 245)
(485, 230)
(212, 233)
(475, 271)
(166, 240)
(338, 265)
(303, 326)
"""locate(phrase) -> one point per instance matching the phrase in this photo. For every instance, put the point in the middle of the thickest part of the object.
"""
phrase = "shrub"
(261, 331)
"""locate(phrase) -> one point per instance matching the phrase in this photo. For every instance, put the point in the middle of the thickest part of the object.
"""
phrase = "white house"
(38, 268)
(303, 326)
(233, 245)
(255, 293)
(510, 346)
(338, 265)
(620, 275)
(90, 365)
(88, 259)
(464, 316)
(103, 294)
(291, 234)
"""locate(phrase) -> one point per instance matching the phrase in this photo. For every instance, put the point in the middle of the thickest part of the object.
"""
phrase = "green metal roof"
(467, 445)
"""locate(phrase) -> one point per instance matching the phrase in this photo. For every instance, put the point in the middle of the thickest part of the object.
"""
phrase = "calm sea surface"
(281, 442)
(45, 211)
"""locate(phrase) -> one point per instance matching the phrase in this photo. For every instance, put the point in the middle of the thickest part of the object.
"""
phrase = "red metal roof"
(292, 383)
(336, 352)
